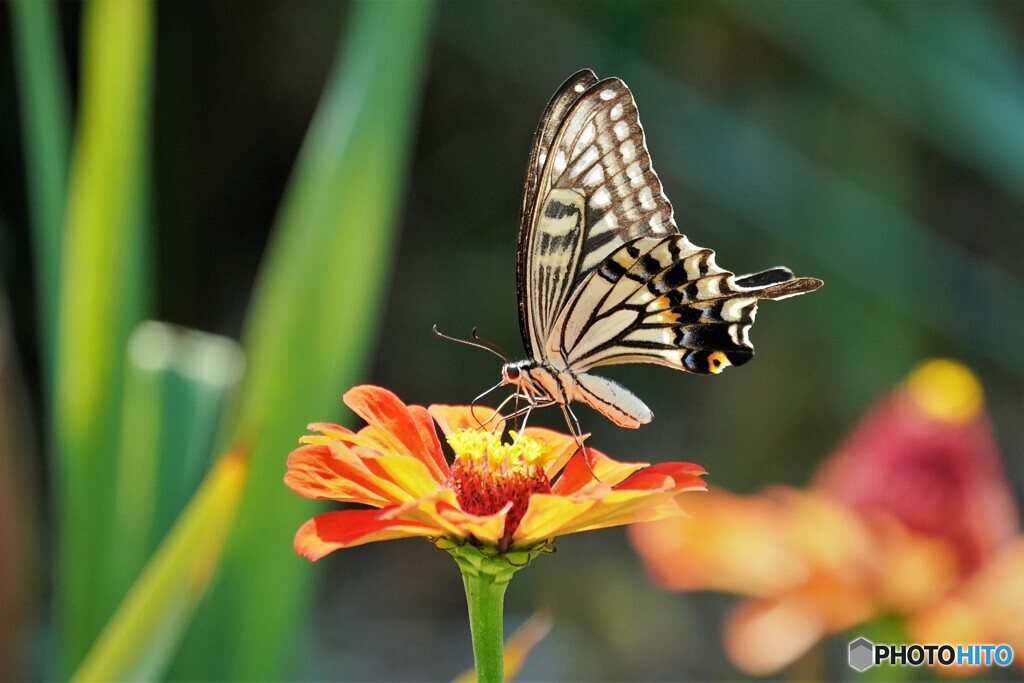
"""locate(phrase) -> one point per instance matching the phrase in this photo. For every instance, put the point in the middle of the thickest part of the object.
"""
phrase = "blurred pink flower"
(911, 516)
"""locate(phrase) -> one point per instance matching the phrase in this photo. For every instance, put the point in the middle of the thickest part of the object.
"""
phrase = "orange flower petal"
(547, 516)
(985, 609)
(453, 418)
(484, 528)
(346, 528)
(577, 475)
(393, 424)
(760, 545)
(397, 478)
(582, 503)
(328, 429)
(441, 509)
(425, 511)
(315, 472)
(764, 636)
(675, 476)
(620, 507)
(428, 435)
(409, 475)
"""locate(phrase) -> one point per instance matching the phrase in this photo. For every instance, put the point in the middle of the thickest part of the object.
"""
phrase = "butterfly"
(604, 276)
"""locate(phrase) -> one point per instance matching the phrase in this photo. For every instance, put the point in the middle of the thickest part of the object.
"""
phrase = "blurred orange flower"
(508, 497)
(912, 516)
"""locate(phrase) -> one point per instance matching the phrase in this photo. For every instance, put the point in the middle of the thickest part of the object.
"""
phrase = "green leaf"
(140, 638)
(953, 93)
(309, 330)
(46, 131)
(176, 382)
(101, 301)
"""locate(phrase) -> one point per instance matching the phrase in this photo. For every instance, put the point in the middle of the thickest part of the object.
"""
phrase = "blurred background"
(298, 191)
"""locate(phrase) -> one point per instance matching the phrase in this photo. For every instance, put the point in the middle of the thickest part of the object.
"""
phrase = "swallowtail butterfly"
(602, 272)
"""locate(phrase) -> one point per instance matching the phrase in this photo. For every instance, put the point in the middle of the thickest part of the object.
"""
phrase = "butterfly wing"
(603, 275)
(590, 189)
(666, 301)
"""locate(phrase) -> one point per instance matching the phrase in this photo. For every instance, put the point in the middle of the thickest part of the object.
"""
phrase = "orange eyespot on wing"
(717, 362)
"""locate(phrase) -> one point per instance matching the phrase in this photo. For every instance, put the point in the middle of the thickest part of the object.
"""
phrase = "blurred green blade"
(176, 381)
(21, 524)
(140, 638)
(309, 331)
(101, 302)
(46, 130)
(955, 96)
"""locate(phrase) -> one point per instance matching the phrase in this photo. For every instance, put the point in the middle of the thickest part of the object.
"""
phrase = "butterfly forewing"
(599, 153)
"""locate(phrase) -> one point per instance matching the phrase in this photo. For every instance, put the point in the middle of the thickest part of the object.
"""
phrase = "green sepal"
(500, 565)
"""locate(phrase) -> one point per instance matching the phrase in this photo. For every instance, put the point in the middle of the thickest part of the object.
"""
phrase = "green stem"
(486, 572)
(485, 595)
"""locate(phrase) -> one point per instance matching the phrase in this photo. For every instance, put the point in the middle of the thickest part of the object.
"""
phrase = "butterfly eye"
(511, 373)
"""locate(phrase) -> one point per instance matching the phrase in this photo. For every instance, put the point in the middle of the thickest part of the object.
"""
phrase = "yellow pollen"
(475, 447)
(946, 390)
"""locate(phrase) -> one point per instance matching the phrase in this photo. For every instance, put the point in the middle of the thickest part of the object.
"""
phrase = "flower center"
(487, 474)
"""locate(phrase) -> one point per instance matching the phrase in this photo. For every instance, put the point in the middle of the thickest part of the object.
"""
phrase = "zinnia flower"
(494, 508)
(509, 497)
(911, 517)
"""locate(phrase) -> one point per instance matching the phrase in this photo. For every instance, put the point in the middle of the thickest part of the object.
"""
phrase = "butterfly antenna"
(491, 345)
(478, 345)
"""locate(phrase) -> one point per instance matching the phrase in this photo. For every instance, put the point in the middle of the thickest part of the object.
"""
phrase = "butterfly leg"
(472, 406)
(497, 413)
(519, 412)
(526, 417)
(576, 430)
(516, 411)
(529, 409)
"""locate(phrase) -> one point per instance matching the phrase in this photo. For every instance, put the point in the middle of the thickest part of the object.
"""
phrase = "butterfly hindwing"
(666, 302)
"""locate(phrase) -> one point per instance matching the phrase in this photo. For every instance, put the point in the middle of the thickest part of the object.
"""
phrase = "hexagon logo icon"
(862, 654)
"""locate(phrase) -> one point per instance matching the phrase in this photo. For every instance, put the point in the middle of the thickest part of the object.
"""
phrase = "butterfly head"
(534, 381)
(512, 373)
